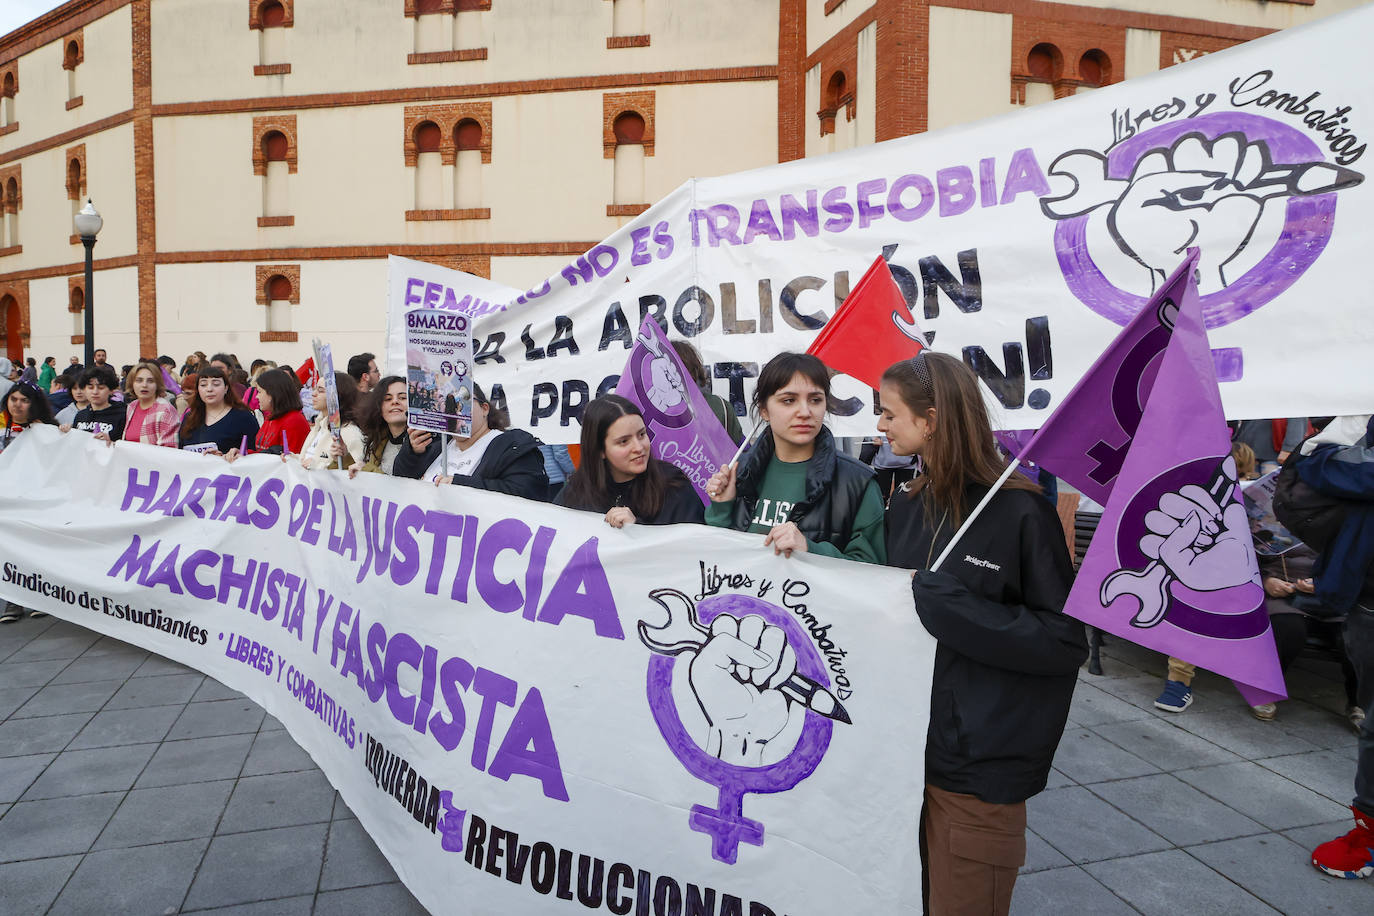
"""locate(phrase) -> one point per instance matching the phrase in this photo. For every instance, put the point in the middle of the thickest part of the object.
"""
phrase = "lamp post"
(88, 223)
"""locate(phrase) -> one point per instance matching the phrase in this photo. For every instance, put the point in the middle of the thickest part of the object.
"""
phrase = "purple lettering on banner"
(761, 223)
(868, 211)
(898, 208)
(411, 295)
(956, 190)
(639, 248)
(683, 430)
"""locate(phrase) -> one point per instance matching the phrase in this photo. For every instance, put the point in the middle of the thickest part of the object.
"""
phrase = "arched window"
(12, 202)
(429, 180)
(8, 90)
(13, 326)
(279, 295)
(467, 174)
(273, 20)
(1044, 65)
(1094, 70)
(76, 186)
(276, 199)
(76, 305)
(72, 55)
(629, 128)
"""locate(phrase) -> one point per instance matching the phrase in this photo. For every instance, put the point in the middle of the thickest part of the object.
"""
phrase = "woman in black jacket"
(492, 457)
(1007, 656)
(620, 478)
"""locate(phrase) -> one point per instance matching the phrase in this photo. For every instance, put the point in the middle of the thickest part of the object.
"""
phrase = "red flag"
(871, 330)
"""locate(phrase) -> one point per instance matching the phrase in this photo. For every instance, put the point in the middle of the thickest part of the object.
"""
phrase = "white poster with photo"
(439, 371)
(530, 712)
(1023, 242)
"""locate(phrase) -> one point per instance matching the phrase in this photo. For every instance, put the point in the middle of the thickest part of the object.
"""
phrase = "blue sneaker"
(1177, 696)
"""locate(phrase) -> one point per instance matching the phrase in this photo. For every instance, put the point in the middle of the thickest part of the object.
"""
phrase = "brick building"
(256, 160)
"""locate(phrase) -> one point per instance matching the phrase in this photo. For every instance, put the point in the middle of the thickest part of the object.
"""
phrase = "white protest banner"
(439, 371)
(1024, 243)
(511, 696)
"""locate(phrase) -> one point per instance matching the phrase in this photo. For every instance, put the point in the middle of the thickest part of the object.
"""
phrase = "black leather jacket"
(512, 464)
(835, 485)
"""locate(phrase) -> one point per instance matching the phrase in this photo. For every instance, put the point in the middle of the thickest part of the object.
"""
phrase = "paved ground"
(131, 784)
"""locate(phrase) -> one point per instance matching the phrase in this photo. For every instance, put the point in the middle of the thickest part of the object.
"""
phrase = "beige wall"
(1142, 52)
(205, 50)
(820, 28)
(970, 70)
(1269, 14)
(116, 316)
(104, 81)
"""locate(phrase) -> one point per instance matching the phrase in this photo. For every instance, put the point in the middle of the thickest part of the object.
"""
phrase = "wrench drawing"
(685, 633)
(1150, 586)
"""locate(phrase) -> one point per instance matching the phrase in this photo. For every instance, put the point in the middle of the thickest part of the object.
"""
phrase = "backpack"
(1312, 516)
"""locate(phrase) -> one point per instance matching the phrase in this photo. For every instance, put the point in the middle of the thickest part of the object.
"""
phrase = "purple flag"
(1086, 440)
(682, 428)
(1172, 565)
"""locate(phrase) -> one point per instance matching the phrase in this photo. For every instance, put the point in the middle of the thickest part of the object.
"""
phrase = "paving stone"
(1164, 744)
(108, 645)
(1309, 838)
(18, 773)
(105, 769)
(163, 690)
(1085, 828)
(218, 717)
(29, 887)
(272, 724)
(1175, 810)
(59, 699)
(352, 859)
(1086, 757)
(146, 879)
(19, 737)
(1274, 801)
(1319, 727)
(1064, 892)
(264, 864)
(278, 800)
(89, 668)
(1140, 881)
(392, 899)
(1094, 706)
(276, 752)
(1328, 773)
(11, 698)
(54, 827)
(1039, 855)
(196, 760)
(167, 813)
(126, 726)
(30, 674)
(341, 809)
(1279, 871)
(56, 647)
(214, 690)
(156, 665)
(1243, 734)
(283, 906)
(1057, 780)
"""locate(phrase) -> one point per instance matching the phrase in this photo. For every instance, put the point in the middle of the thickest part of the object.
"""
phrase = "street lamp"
(88, 223)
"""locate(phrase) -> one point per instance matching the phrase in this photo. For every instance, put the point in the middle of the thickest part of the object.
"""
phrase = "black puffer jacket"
(1008, 657)
(835, 485)
(512, 464)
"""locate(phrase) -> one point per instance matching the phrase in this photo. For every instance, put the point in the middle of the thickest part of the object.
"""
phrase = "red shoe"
(1350, 856)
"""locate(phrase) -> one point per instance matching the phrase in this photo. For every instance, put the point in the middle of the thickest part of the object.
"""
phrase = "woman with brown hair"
(149, 417)
(1007, 657)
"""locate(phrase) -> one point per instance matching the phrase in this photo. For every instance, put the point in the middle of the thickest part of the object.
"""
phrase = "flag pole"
(745, 444)
(987, 498)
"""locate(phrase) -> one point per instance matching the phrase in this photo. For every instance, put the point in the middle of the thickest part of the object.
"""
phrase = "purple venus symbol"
(725, 823)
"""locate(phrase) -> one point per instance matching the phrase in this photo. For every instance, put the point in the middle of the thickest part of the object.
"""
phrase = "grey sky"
(14, 13)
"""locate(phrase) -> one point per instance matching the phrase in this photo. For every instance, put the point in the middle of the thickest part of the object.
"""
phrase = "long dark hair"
(376, 434)
(195, 411)
(590, 486)
(347, 389)
(283, 389)
(961, 449)
(40, 410)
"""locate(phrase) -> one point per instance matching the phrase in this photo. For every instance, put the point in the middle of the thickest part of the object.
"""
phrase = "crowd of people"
(1007, 656)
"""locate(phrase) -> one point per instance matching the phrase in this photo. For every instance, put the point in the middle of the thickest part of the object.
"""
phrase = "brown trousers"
(971, 851)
